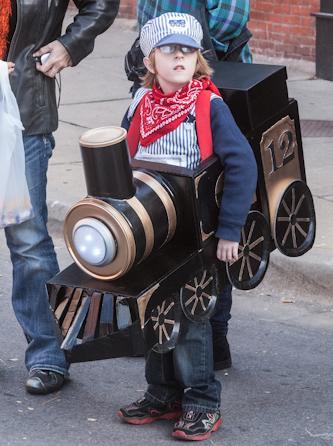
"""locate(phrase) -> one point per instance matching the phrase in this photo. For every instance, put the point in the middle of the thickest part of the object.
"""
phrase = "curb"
(306, 274)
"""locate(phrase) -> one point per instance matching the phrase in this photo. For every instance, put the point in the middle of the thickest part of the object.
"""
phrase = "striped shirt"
(178, 147)
(225, 18)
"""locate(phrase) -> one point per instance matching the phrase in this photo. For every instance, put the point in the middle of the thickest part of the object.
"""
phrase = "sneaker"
(144, 411)
(42, 382)
(221, 352)
(197, 425)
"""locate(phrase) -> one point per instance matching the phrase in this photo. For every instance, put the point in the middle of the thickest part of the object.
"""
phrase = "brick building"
(283, 28)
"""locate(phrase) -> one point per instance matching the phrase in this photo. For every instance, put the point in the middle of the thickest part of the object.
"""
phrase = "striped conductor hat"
(171, 28)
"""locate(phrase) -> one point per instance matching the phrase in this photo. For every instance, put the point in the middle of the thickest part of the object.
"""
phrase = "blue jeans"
(222, 315)
(189, 366)
(34, 263)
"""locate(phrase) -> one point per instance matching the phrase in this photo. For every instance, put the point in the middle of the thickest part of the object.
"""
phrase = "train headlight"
(94, 242)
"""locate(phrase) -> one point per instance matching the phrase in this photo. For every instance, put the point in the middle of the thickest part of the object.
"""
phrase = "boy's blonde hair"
(202, 69)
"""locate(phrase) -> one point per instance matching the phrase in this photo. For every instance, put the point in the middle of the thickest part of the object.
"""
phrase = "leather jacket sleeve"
(93, 18)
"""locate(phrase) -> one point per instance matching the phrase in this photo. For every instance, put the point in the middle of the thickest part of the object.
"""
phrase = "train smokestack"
(106, 163)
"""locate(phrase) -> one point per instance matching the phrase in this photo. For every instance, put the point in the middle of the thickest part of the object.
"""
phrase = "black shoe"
(221, 352)
(42, 382)
(197, 425)
(144, 411)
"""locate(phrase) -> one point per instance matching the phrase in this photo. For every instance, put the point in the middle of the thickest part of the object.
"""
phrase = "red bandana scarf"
(5, 13)
(161, 114)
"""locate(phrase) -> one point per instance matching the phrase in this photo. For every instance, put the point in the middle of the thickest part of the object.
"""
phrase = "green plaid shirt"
(225, 19)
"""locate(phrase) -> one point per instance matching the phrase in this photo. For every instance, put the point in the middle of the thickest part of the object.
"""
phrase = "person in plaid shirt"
(225, 19)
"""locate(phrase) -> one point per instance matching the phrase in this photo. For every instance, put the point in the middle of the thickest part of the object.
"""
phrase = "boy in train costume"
(168, 122)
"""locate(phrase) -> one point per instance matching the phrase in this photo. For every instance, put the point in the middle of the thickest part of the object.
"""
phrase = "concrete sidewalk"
(96, 93)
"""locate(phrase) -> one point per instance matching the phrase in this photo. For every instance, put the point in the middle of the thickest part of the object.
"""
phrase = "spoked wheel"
(198, 297)
(295, 222)
(254, 249)
(162, 329)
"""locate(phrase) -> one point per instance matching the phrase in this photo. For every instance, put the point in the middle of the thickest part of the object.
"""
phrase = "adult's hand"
(57, 61)
(11, 67)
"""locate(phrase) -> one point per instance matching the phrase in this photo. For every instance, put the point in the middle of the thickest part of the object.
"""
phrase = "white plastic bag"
(15, 205)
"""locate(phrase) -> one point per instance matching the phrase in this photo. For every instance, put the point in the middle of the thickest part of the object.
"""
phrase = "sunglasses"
(171, 49)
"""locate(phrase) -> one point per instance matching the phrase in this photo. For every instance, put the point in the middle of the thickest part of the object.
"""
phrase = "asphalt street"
(279, 391)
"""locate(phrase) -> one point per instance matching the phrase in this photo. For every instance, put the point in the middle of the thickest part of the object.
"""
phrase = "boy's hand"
(57, 61)
(11, 66)
(227, 251)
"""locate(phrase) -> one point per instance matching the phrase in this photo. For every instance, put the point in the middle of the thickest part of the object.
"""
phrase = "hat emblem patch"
(180, 23)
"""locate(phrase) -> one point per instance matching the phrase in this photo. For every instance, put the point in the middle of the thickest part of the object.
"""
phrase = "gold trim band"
(164, 197)
(147, 224)
(102, 137)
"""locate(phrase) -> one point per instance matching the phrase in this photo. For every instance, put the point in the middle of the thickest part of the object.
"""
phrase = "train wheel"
(198, 297)
(162, 329)
(254, 249)
(295, 221)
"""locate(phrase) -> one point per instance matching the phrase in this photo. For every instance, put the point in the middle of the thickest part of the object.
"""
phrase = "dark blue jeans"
(222, 315)
(34, 263)
(188, 367)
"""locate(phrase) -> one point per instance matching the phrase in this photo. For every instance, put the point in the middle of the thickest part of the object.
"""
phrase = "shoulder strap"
(204, 131)
(133, 133)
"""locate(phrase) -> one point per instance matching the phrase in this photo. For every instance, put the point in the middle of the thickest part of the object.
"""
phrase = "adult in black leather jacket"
(35, 29)
(39, 23)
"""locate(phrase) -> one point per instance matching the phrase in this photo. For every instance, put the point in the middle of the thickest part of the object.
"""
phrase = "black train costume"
(153, 247)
